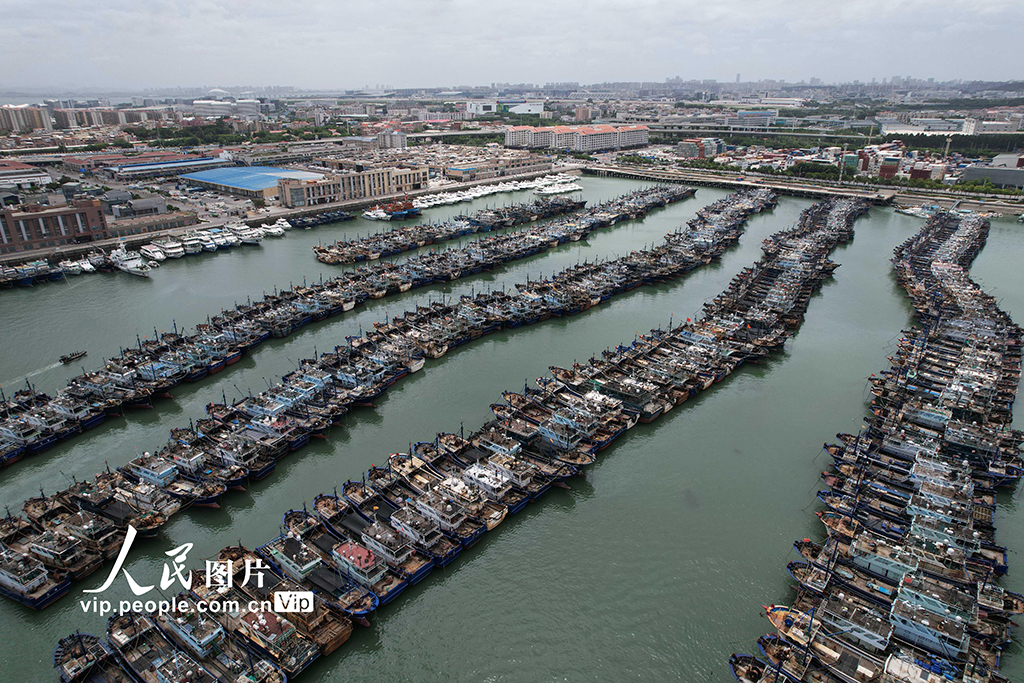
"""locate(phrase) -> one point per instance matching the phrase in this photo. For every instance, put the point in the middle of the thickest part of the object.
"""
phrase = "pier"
(794, 188)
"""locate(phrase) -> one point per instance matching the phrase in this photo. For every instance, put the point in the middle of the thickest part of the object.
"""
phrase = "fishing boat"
(192, 629)
(84, 658)
(70, 267)
(149, 656)
(24, 579)
(72, 357)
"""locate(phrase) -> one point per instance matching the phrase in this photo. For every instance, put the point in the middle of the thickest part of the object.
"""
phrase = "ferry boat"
(192, 244)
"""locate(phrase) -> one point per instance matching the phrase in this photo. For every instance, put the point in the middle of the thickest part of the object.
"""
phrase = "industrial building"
(247, 181)
(36, 226)
(1006, 170)
(81, 163)
(21, 175)
(161, 169)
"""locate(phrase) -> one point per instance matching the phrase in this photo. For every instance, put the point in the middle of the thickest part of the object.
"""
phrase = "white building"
(392, 139)
(213, 108)
(485, 107)
(248, 109)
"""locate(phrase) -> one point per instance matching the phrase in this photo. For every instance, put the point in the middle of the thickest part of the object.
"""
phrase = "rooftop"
(250, 177)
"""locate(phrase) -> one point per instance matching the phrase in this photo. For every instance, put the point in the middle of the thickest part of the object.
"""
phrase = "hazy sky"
(341, 44)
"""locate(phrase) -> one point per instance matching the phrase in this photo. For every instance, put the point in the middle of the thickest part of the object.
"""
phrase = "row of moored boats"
(903, 587)
(397, 240)
(242, 441)
(32, 421)
(140, 262)
(361, 546)
(481, 191)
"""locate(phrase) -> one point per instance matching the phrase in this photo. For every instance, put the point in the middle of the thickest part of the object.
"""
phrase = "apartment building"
(578, 138)
(23, 118)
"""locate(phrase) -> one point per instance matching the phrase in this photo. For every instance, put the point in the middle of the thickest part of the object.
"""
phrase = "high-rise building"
(24, 118)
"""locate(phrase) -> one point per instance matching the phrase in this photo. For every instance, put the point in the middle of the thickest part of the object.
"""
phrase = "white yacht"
(272, 230)
(224, 238)
(283, 224)
(86, 266)
(192, 244)
(70, 267)
(153, 253)
(246, 234)
(219, 238)
(560, 188)
(171, 247)
(206, 239)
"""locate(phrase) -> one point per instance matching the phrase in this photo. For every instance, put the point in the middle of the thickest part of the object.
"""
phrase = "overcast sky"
(125, 44)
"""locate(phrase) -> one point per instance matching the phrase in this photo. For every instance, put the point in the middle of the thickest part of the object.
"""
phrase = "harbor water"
(653, 567)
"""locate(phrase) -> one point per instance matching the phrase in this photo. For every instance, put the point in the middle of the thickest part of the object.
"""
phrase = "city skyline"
(111, 46)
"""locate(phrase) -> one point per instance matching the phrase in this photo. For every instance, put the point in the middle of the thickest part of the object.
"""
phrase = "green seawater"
(653, 567)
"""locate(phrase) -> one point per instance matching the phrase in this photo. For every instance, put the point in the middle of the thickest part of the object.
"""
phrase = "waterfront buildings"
(367, 184)
(28, 227)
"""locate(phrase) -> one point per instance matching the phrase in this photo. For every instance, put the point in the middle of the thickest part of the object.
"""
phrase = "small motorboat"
(72, 357)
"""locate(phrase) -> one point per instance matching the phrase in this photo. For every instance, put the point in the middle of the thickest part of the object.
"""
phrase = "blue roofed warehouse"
(246, 181)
